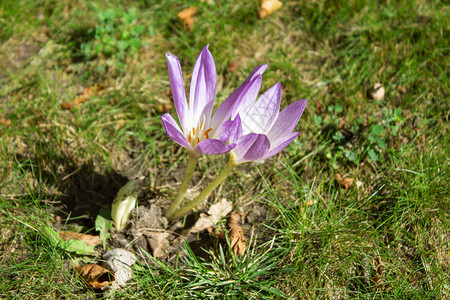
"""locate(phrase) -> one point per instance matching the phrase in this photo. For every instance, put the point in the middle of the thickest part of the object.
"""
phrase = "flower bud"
(123, 204)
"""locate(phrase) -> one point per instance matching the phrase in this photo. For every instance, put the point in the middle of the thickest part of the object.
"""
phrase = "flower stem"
(205, 193)
(192, 162)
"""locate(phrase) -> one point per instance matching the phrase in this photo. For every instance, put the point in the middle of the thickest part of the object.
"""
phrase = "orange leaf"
(163, 108)
(187, 17)
(95, 276)
(66, 105)
(237, 238)
(345, 182)
(89, 240)
(233, 66)
(4, 121)
(87, 94)
(158, 242)
(83, 97)
(268, 7)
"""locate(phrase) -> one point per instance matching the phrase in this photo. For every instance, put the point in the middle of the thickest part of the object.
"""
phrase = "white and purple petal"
(261, 116)
(255, 149)
(174, 132)
(203, 86)
(213, 146)
(275, 149)
(223, 113)
(229, 130)
(286, 121)
(178, 92)
(247, 97)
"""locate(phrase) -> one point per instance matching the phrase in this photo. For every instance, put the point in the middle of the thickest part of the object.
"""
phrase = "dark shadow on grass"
(80, 193)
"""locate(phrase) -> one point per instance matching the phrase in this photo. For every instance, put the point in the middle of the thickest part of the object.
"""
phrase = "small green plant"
(380, 132)
(115, 36)
(342, 149)
(374, 137)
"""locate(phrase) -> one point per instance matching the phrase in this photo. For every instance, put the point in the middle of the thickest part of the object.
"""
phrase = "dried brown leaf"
(319, 107)
(89, 240)
(163, 108)
(221, 209)
(158, 241)
(95, 276)
(4, 121)
(216, 212)
(120, 261)
(376, 92)
(186, 16)
(87, 94)
(83, 97)
(268, 7)
(188, 23)
(310, 203)
(345, 182)
(202, 223)
(233, 66)
(237, 238)
(66, 105)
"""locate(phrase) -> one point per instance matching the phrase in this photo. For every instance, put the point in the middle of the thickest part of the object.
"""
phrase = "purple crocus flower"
(200, 132)
(263, 130)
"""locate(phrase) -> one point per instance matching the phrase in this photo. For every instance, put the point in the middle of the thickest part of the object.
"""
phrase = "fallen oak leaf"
(216, 212)
(83, 97)
(71, 245)
(120, 262)
(237, 238)
(345, 182)
(158, 241)
(220, 210)
(66, 105)
(319, 107)
(95, 276)
(233, 66)
(204, 222)
(163, 108)
(186, 16)
(87, 94)
(268, 7)
(89, 240)
(4, 121)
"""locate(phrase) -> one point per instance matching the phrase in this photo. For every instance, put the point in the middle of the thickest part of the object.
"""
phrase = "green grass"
(319, 241)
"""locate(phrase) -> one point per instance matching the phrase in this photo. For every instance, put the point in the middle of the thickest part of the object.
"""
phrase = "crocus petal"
(281, 145)
(177, 87)
(261, 116)
(174, 132)
(213, 146)
(229, 131)
(247, 97)
(258, 148)
(286, 121)
(224, 111)
(203, 86)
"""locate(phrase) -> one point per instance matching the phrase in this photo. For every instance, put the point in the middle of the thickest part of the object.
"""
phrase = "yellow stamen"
(206, 133)
(198, 140)
(189, 137)
(193, 130)
(201, 125)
